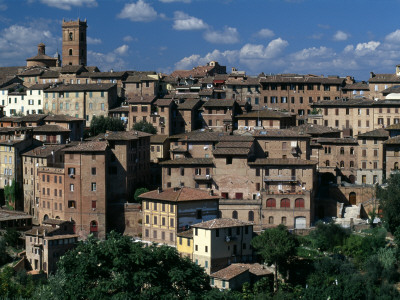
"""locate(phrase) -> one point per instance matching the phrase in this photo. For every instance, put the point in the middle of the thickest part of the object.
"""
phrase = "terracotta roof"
(119, 109)
(393, 141)
(221, 223)
(295, 78)
(82, 87)
(50, 128)
(384, 78)
(55, 221)
(158, 139)
(61, 118)
(236, 138)
(357, 86)
(6, 214)
(73, 69)
(264, 114)
(139, 78)
(229, 272)
(43, 151)
(31, 72)
(39, 230)
(282, 162)
(206, 92)
(10, 119)
(393, 127)
(256, 269)
(32, 118)
(246, 81)
(41, 57)
(125, 135)
(189, 104)
(188, 161)
(163, 102)
(107, 74)
(50, 74)
(186, 234)
(232, 151)
(219, 103)
(40, 86)
(314, 129)
(227, 144)
(278, 133)
(141, 99)
(91, 146)
(378, 133)
(179, 195)
(199, 136)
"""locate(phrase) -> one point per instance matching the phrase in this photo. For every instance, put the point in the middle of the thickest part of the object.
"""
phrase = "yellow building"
(184, 243)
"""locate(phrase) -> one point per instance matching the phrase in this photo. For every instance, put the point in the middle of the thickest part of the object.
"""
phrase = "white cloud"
(138, 12)
(185, 22)
(122, 50)
(314, 52)
(265, 33)
(393, 37)
(129, 38)
(111, 60)
(93, 41)
(340, 36)
(197, 60)
(366, 48)
(170, 1)
(229, 35)
(68, 4)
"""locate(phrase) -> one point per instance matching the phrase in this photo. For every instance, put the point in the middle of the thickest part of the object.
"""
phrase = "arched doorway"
(45, 218)
(353, 198)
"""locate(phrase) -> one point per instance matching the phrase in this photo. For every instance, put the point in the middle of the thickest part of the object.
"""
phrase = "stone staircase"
(351, 215)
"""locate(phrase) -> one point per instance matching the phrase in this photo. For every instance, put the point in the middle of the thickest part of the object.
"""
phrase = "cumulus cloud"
(314, 52)
(393, 37)
(265, 33)
(93, 41)
(138, 12)
(14, 51)
(340, 36)
(170, 1)
(229, 35)
(129, 38)
(68, 4)
(111, 60)
(183, 21)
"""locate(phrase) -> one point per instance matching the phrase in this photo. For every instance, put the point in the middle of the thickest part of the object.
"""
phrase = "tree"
(4, 257)
(12, 237)
(102, 124)
(138, 192)
(327, 236)
(389, 198)
(119, 268)
(276, 246)
(145, 127)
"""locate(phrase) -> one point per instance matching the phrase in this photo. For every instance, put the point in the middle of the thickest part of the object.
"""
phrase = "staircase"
(351, 212)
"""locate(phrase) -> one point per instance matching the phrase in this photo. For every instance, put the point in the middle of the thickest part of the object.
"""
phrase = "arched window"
(251, 216)
(351, 164)
(327, 163)
(341, 150)
(271, 202)
(283, 220)
(71, 36)
(93, 228)
(396, 165)
(299, 203)
(70, 52)
(342, 164)
(46, 217)
(285, 203)
(271, 220)
(234, 214)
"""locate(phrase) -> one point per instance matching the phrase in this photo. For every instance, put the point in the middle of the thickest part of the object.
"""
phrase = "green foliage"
(11, 194)
(145, 127)
(389, 199)
(328, 236)
(316, 111)
(276, 246)
(4, 257)
(138, 192)
(11, 237)
(102, 124)
(121, 269)
(15, 286)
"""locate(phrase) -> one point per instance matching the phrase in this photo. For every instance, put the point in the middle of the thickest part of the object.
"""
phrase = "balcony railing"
(202, 177)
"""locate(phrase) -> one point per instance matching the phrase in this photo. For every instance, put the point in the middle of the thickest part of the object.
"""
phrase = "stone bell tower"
(74, 46)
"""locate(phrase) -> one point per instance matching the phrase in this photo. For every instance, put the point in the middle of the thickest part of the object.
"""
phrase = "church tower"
(74, 47)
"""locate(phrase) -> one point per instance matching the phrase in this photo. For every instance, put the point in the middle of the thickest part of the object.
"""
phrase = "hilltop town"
(203, 160)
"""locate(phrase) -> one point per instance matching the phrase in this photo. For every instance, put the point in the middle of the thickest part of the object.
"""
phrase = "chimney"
(371, 75)
(159, 190)
(41, 49)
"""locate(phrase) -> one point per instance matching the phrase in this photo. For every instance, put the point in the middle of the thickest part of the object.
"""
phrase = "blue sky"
(330, 37)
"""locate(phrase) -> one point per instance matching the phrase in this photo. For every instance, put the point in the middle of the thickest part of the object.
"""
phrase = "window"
(93, 171)
(285, 203)
(271, 202)
(199, 214)
(155, 220)
(71, 171)
(93, 187)
(229, 160)
(206, 249)
(283, 220)
(171, 222)
(71, 187)
(341, 150)
(299, 203)
(182, 171)
(251, 216)
(71, 204)
(147, 219)
(234, 214)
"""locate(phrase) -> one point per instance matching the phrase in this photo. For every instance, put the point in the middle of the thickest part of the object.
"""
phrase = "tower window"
(70, 36)
(70, 52)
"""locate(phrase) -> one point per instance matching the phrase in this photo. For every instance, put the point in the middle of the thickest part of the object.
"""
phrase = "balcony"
(202, 177)
(281, 178)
